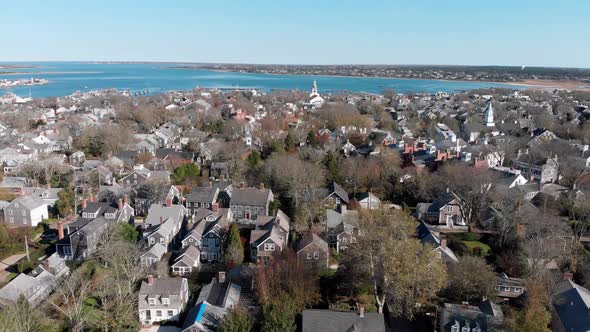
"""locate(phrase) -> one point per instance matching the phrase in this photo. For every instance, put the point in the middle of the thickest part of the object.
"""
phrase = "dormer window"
(211, 218)
(152, 301)
(269, 247)
(165, 300)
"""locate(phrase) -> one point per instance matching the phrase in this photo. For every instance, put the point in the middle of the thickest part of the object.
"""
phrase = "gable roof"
(251, 196)
(311, 238)
(337, 321)
(572, 305)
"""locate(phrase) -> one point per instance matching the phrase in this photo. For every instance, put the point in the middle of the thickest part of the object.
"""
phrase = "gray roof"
(212, 305)
(171, 288)
(203, 195)
(487, 315)
(312, 238)
(341, 321)
(175, 212)
(572, 305)
(29, 202)
(251, 196)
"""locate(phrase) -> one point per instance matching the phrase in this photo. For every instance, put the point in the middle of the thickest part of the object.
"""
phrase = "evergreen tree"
(291, 142)
(253, 159)
(332, 166)
(65, 201)
(312, 139)
(234, 251)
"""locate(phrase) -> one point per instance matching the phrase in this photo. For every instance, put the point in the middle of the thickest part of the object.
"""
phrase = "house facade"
(162, 299)
(25, 211)
(247, 204)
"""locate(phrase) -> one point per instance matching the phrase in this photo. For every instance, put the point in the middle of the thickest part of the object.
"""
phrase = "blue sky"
(471, 32)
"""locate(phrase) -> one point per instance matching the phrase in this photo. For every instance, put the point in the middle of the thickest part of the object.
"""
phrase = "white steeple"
(314, 90)
(488, 115)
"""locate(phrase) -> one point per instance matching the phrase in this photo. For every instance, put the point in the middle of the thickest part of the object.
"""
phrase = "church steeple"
(314, 90)
(488, 115)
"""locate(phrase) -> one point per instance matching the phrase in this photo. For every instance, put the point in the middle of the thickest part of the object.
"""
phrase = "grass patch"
(469, 243)
(477, 248)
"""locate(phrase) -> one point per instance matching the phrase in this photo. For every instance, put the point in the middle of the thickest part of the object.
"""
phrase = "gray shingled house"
(162, 299)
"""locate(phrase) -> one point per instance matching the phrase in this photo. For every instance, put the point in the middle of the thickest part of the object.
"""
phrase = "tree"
(464, 285)
(312, 139)
(253, 159)
(237, 320)
(65, 202)
(234, 251)
(126, 232)
(536, 317)
(331, 164)
(284, 288)
(291, 142)
(471, 186)
(185, 172)
(20, 317)
(402, 271)
(69, 301)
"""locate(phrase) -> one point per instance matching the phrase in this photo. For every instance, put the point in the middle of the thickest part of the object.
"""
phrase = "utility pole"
(27, 248)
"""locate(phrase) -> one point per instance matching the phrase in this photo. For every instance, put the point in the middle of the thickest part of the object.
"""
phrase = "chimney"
(343, 209)
(60, 230)
(168, 202)
(120, 204)
(221, 277)
(568, 276)
(84, 203)
(49, 185)
(210, 184)
(126, 199)
(447, 190)
(150, 279)
(92, 198)
(261, 186)
(161, 220)
(362, 310)
(241, 185)
(443, 241)
(215, 207)
(222, 177)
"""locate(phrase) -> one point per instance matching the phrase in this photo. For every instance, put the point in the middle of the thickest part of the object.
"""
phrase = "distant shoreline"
(32, 73)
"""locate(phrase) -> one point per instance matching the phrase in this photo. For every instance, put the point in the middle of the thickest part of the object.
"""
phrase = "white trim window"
(269, 247)
(316, 255)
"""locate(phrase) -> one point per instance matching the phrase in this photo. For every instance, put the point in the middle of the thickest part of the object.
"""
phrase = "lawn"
(472, 245)
(469, 243)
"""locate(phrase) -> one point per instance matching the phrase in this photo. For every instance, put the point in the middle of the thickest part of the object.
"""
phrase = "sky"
(454, 32)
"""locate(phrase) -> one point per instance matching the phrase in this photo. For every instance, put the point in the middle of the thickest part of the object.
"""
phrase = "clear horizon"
(538, 33)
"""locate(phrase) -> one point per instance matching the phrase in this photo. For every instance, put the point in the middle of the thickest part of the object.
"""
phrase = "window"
(10, 212)
(24, 212)
(165, 300)
(269, 247)
(170, 313)
(518, 290)
(24, 221)
(162, 240)
(190, 239)
(158, 313)
(308, 255)
(217, 241)
(316, 255)
(152, 301)
(11, 220)
(439, 254)
(449, 208)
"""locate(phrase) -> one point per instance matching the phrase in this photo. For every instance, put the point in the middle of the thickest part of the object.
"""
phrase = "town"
(33, 81)
(248, 210)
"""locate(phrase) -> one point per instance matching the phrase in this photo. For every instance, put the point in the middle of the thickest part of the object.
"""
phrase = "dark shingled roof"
(339, 321)
(251, 196)
(572, 305)
(203, 194)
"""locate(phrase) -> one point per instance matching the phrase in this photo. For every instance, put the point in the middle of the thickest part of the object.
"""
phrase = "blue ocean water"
(68, 77)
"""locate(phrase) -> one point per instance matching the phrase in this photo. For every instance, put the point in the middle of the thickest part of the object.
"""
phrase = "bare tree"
(68, 300)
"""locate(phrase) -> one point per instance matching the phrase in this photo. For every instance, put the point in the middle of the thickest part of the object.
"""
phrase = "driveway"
(7, 263)
(155, 328)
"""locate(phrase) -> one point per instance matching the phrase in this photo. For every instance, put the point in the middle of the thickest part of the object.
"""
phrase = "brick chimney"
(126, 199)
(242, 185)
(215, 207)
(361, 310)
(92, 198)
(222, 177)
(443, 241)
(150, 279)
(60, 230)
(84, 203)
(568, 276)
(168, 202)
(161, 220)
(120, 204)
(261, 186)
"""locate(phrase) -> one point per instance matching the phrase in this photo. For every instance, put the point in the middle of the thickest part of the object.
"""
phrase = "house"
(162, 299)
(25, 211)
(37, 285)
(164, 192)
(77, 159)
(510, 288)
(342, 227)
(208, 232)
(249, 203)
(313, 251)
(187, 261)
(485, 317)
(336, 321)
(332, 196)
(444, 210)
(570, 307)
(269, 237)
(80, 240)
(143, 175)
(164, 223)
(219, 170)
(428, 236)
(202, 197)
(369, 201)
(536, 168)
(214, 300)
(48, 195)
(348, 149)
